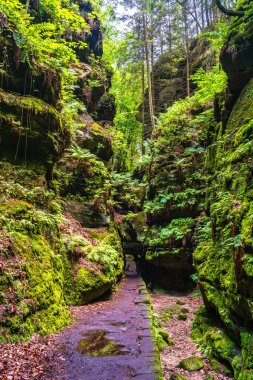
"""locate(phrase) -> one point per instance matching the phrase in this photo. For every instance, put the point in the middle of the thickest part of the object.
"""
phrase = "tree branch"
(190, 13)
(229, 12)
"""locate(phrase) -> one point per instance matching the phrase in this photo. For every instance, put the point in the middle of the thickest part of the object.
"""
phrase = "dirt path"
(110, 340)
(170, 308)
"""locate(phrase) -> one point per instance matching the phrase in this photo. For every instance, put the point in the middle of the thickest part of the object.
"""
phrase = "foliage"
(218, 36)
(209, 83)
(88, 175)
(126, 191)
(43, 45)
(108, 257)
(127, 90)
(177, 229)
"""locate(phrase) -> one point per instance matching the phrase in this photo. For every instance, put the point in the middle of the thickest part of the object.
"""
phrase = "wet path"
(111, 340)
(119, 327)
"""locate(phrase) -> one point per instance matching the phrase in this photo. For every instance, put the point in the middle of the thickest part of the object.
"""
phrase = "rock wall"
(224, 258)
(200, 205)
(169, 77)
(58, 244)
(176, 176)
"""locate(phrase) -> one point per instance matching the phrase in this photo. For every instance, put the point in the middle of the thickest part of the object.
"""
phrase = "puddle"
(95, 343)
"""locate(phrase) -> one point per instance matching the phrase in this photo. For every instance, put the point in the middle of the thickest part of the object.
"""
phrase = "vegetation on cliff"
(53, 155)
(149, 144)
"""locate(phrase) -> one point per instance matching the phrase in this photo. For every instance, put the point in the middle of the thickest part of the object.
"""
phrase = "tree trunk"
(149, 77)
(170, 35)
(186, 40)
(196, 16)
(202, 14)
(27, 5)
(207, 14)
(143, 104)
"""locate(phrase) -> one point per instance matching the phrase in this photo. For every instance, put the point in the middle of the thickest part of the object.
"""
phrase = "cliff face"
(54, 166)
(200, 202)
(176, 176)
(224, 258)
(169, 77)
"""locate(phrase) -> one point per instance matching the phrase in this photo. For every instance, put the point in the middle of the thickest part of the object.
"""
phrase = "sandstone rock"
(94, 137)
(30, 130)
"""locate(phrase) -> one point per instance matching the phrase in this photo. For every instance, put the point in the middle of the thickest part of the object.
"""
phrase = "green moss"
(177, 376)
(41, 274)
(165, 336)
(102, 270)
(35, 104)
(180, 303)
(193, 363)
(217, 344)
(89, 285)
(223, 259)
(247, 349)
(39, 303)
(182, 317)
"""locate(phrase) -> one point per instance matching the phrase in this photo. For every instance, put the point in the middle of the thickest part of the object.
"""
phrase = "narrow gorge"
(126, 190)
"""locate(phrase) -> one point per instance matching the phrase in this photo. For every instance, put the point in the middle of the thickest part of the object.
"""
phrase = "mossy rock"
(94, 137)
(209, 377)
(180, 303)
(42, 140)
(182, 317)
(39, 301)
(236, 55)
(166, 337)
(194, 363)
(219, 367)
(106, 109)
(177, 376)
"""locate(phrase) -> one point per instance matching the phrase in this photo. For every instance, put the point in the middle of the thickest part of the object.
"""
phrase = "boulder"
(177, 376)
(88, 215)
(194, 363)
(106, 109)
(94, 137)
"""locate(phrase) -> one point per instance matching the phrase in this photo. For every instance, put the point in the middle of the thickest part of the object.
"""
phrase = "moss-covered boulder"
(223, 258)
(217, 343)
(224, 270)
(194, 363)
(32, 272)
(176, 194)
(48, 260)
(177, 376)
(209, 377)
